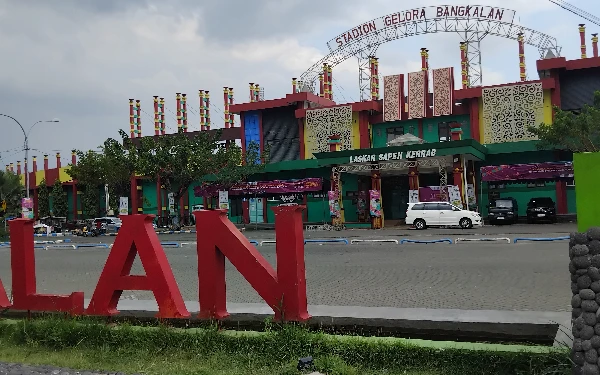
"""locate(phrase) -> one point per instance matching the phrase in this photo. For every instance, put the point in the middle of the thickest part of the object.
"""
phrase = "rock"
(580, 250)
(595, 342)
(589, 318)
(591, 369)
(597, 329)
(594, 273)
(589, 306)
(586, 293)
(578, 358)
(596, 260)
(584, 282)
(586, 345)
(574, 277)
(594, 247)
(586, 333)
(576, 301)
(595, 286)
(579, 323)
(591, 356)
(577, 345)
(580, 272)
(576, 313)
(582, 262)
(572, 268)
(580, 238)
(575, 288)
(593, 233)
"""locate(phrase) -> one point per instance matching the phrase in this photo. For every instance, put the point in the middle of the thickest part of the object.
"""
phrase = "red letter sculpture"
(137, 236)
(23, 275)
(4, 302)
(284, 290)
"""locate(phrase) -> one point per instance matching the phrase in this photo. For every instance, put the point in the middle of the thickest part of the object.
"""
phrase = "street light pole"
(26, 145)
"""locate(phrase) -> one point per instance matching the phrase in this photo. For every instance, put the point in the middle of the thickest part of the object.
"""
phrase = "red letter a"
(137, 236)
(284, 290)
(23, 275)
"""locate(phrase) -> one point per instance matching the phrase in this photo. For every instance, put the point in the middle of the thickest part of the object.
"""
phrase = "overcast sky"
(81, 60)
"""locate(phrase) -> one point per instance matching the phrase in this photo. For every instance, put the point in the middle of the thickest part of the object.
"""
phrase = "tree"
(11, 192)
(60, 205)
(180, 160)
(576, 132)
(89, 173)
(43, 199)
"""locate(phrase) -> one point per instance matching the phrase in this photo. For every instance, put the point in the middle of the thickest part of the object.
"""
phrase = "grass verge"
(89, 344)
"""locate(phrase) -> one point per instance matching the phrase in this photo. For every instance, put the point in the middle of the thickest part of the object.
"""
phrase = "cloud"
(81, 60)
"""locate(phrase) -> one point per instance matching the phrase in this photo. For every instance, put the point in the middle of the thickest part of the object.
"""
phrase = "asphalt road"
(474, 276)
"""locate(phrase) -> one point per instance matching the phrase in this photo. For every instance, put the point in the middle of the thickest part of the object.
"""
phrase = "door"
(256, 210)
(431, 215)
(447, 214)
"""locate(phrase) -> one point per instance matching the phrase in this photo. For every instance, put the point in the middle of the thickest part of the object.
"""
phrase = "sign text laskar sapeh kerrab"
(284, 289)
(419, 15)
(390, 156)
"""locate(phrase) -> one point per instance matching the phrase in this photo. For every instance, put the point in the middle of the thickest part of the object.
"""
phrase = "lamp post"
(26, 145)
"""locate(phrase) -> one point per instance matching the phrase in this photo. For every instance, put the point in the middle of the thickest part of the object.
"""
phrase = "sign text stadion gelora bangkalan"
(284, 289)
(419, 15)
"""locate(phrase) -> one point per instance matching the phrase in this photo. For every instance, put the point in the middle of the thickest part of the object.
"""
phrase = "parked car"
(503, 211)
(112, 223)
(441, 214)
(541, 209)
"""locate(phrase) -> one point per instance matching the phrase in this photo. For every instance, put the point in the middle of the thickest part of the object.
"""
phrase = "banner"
(413, 196)
(375, 203)
(265, 187)
(123, 206)
(518, 172)
(223, 200)
(432, 194)
(334, 204)
(454, 195)
(171, 197)
(361, 203)
(27, 208)
(471, 195)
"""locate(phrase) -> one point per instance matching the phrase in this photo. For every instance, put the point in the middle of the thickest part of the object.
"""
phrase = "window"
(418, 207)
(444, 207)
(431, 207)
(444, 132)
(393, 133)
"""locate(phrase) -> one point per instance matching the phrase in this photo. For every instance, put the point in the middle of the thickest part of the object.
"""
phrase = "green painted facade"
(587, 170)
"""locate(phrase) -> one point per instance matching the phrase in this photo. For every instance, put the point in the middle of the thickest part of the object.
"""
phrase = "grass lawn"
(173, 363)
(84, 344)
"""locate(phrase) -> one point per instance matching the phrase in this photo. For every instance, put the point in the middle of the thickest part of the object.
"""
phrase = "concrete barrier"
(175, 231)
(52, 235)
(388, 240)
(267, 242)
(188, 243)
(328, 240)
(172, 244)
(254, 242)
(59, 246)
(543, 239)
(482, 239)
(405, 240)
(102, 245)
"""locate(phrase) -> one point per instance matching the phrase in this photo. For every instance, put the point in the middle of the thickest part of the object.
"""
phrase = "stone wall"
(584, 252)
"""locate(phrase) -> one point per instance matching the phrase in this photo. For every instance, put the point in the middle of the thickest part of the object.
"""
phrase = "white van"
(440, 214)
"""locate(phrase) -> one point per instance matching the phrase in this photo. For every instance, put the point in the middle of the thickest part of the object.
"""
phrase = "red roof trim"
(371, 105)
(282, 102)
(477, 92)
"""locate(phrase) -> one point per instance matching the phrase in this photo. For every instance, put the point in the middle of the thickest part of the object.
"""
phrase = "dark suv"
(541, 209)
(503, 211)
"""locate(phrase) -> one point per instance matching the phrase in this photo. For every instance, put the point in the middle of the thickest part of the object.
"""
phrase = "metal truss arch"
(471, 30)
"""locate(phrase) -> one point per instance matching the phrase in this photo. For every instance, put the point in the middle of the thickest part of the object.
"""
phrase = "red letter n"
(23, 275)
(284, 290)
(137, 236)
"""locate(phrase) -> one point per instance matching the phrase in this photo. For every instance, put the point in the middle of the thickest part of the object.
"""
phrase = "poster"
(537, 171)
(454, 195)
(471, 195)
(413, 196)
(171, 197)
(27, 208)
(123, 206)
(223, 200)
(375, 203)
(334, 204)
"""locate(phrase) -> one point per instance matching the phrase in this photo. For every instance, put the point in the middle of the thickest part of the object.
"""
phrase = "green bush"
(281, 346)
